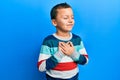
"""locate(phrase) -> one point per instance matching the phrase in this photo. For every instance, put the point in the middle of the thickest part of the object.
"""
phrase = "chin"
(68, 30)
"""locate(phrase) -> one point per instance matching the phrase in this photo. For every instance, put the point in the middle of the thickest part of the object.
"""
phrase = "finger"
(63, 44)
(63, 50)
(68, 43)
(59, 44)
(71, 44)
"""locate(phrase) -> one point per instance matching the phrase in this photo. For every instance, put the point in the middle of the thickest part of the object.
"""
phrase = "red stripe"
(85, 55)
(65, 66)
(39, 63)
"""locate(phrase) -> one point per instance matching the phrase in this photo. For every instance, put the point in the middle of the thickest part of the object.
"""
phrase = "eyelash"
(67, 18)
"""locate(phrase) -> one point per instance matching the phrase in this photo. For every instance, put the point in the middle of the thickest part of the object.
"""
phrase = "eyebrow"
(68, 15)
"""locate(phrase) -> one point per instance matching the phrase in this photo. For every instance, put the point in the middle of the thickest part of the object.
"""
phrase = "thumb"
(70, 43)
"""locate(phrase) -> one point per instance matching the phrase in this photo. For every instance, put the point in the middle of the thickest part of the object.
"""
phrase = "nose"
(71, 20)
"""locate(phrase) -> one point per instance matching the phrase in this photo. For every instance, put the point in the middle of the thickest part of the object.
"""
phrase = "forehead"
(64, 11)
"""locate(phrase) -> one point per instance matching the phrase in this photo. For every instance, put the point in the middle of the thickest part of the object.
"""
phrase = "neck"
(63, 35)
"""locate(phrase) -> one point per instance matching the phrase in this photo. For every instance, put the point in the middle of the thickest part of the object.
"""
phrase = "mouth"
(70, 25)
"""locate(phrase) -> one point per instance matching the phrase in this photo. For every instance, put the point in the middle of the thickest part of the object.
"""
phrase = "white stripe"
(43, 57)
(63, 38)
(63, 74)
(42, 66)
(87, 60)
(82, 51)
(66, 59)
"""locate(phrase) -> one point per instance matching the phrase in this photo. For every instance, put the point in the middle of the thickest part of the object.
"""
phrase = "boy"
(62, 51)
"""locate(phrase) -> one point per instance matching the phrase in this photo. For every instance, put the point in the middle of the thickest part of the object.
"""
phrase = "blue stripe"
(78, 47)
(52, 78)
(52, 41)
(45, 49)
(82, 60)
(53, 50)
(51, 63)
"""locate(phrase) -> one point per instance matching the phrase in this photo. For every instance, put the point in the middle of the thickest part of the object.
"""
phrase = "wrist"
(75, 56)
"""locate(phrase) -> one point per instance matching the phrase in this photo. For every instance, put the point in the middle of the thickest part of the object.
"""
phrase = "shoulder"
(76, 39)
(49, 37)
(49, 40)
(76, 36)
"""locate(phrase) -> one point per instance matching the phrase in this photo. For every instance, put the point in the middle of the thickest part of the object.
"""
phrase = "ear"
(54, 22)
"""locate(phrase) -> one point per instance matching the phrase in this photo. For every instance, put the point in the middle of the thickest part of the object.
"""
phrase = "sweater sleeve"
(47, 60)
(80, 55)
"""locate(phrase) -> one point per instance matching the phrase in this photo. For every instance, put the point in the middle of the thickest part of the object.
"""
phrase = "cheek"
(62, 22)
(73, 22)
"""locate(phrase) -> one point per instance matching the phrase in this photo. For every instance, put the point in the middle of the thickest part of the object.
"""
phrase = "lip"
(70, 25)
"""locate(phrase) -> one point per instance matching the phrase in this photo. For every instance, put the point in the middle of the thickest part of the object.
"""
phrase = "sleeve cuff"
(75, 56)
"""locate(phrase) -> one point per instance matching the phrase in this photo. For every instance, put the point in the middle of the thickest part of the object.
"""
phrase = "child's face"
(64, 20)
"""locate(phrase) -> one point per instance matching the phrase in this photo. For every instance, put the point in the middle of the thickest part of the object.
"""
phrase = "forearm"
(79, 58)
(54, 60)
(50, 62)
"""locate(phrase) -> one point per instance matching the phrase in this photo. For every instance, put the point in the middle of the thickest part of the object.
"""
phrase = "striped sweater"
(57, 64)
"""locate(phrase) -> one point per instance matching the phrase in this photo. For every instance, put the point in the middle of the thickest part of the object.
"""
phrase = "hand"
(66, 48)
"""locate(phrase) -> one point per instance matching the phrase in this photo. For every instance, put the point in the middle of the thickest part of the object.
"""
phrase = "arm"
(80, 56)
(77, 53)
(47, 61)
